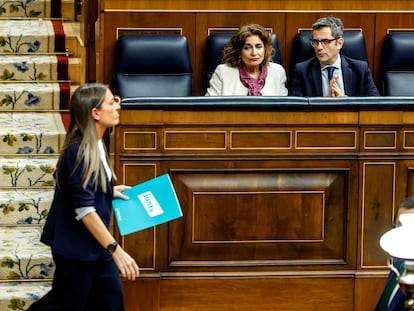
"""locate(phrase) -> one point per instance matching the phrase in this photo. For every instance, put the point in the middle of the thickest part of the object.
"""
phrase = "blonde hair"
(82, 125)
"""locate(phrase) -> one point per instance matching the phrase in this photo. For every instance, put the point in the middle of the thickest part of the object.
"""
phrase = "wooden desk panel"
(309, 208)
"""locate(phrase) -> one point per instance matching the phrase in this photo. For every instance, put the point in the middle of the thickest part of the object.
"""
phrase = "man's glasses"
(324, 42)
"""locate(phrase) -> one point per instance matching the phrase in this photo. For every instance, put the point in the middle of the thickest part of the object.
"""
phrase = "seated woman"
(247, 68)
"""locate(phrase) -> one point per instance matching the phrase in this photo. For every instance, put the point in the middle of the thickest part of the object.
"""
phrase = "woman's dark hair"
(232, 50)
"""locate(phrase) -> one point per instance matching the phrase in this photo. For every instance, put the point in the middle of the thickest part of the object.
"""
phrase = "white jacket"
(225, 81)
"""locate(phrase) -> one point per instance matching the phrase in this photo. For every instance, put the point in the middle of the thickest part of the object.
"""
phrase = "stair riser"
(19, 207)
(30, 68)
(27, 185)
(27, 36)
(20, 295)
(23, 256)
(42, 133)
(34, 9)
(33, 96)
(27, 173)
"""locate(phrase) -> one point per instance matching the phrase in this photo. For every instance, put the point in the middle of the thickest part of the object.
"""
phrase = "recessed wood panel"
(193, 140)
(139, 141)
(409, 170)
(138, 172)
(260, 218)
(408, 139)
(377, 209)
(252, 217)
(326, 140)
(380, 139)
(140, 245)
(260, 140)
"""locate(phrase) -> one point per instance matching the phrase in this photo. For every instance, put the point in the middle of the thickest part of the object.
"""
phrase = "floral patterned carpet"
(34, 91)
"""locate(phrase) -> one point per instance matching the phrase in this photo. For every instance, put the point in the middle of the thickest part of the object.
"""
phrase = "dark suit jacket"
(62, 232)
(357, 77)
(397, 302)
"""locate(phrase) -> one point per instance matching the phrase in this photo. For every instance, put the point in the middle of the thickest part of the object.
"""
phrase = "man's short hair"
(407, 203)
(336, 25)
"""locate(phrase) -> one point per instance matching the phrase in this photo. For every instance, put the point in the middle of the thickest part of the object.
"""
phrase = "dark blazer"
(397, 302)
(357, 77)
(62, 232)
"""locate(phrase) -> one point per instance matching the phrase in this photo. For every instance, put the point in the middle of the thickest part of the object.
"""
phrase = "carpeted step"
(34, 96)
(41, 133)
(30, 9)
(34, 77)
(23, 256)
(31, 36)
(33, 68)
(20, 295)
(25, 207)
(26, 172)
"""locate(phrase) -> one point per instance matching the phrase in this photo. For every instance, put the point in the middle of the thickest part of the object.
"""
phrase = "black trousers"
(79, 286)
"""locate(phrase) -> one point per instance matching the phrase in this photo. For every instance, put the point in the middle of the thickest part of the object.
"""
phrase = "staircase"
(37, 76)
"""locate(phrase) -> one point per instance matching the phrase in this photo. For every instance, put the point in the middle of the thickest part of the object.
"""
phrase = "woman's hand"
(118, 192)
(127, 266)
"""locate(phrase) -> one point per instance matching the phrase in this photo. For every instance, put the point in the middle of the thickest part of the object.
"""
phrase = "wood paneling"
(195, 25)
(378, 188)
(247, 179)
(256, 218)
(143, 294)
(259, 215)
(288, 294)
(295, 5)
(367, 290)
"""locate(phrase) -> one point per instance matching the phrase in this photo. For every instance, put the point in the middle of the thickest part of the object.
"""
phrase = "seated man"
(392, 298)
(329, 73)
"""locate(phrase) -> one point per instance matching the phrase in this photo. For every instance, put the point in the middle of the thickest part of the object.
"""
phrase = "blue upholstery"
(354, 46)
(398, 64)
(215, 45)
(152, 65)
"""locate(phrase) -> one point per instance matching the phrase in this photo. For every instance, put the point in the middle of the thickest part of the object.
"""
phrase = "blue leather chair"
(354, 46)
(152, 65)
(215, 45)
(397, 68)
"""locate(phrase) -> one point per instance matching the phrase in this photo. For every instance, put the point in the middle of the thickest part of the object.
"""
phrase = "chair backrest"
(397, 72)
(354, 46)
(152, 65)
(213, 55)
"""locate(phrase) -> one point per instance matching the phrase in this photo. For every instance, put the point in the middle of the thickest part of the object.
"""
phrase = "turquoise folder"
(150, 203)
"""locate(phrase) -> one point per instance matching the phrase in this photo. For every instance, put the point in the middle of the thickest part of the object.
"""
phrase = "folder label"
(150, 204)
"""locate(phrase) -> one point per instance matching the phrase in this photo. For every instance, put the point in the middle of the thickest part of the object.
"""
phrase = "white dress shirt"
(337, 72)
